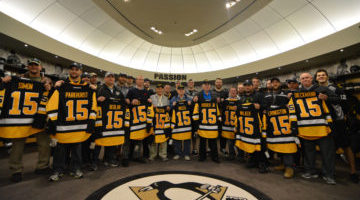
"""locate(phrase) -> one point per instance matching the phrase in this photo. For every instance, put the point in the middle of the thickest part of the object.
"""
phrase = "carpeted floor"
(271, 184)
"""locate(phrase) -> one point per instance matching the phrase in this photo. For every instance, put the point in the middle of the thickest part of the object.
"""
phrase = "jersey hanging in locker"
(161, 124)
(141, 117)
(310, 115)
(229, 117)
(21, 100)
(277, 130)
(208, 116)
(112, 123)
(248, 128)
(181, 121)
(72, 109)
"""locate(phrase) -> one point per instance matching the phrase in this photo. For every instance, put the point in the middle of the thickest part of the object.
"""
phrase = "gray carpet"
(272, 184)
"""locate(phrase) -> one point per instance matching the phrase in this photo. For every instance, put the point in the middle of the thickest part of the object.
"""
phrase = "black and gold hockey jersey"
(277, 130)
(141, 116)
(181, 121)
(112, 123)
(248, 128)
(208, 116)
(161, 124)
(310, 115)
(229, 117)
(21, 100)
(72, 110)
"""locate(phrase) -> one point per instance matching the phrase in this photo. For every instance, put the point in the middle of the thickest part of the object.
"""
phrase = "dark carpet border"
(107, 188)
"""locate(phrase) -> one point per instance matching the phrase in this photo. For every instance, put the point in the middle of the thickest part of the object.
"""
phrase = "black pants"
(86, 151)
(109, 154)
(60, 154)
(222, 143)
(327, 150)
(212, 145)
(146, 151)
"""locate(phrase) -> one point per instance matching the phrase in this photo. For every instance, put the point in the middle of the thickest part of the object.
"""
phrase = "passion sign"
(170, 77)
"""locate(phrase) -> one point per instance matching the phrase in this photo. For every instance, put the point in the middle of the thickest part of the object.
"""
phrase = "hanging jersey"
(141, 116)
(72, 109)
(112, 123)
(277, 130)
(181, 121)
(208, 115)
(310, 114)
(229, 116)
(161, 124)
(248, 128)
(21, 100)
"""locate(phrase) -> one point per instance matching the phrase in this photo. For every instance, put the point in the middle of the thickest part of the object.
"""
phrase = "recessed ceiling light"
(341, 50)
(191, 32)
(26, 45)
(156, 30)
(231, 3)
(56, 56)
(279, 68)
(306, 60)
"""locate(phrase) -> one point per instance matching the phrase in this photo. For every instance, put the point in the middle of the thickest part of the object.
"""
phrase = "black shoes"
(263, 168)
(125, 162)
(216, 160)
(16, 177)
(354, 178)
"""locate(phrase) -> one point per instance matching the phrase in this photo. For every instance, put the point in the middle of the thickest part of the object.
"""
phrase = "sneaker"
(194, 152)
(224, 152)
(151, 159)
(46, 170)
(16, 177)
(263, 168)
(113, 164)
(289, 172)
(187, 158)
(329, 180)
(176, 157)
(354, 178)
(308, 175)
(106, 164)
(77, 174)
(55, 177)
(125, 162)
(93, 167)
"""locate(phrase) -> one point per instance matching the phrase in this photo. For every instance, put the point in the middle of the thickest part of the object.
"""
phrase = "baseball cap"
(275, 79)
(291, 80)
(34, 61)
(159, 85)
(206, 81)
(247, 82)
(122, 75)
(93, 74)
(146, 79)
(109, 73)
(181, 86)
(77, 65)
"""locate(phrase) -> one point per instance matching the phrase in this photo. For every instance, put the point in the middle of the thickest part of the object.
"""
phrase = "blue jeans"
(178, 147)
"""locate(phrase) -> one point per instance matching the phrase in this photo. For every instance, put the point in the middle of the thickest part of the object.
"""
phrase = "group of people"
(79, 116)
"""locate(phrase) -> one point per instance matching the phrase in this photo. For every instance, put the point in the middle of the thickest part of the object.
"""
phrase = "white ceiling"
(280, 26)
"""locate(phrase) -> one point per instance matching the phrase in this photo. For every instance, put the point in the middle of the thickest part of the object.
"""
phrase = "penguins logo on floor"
(157, 190)
(177, 185)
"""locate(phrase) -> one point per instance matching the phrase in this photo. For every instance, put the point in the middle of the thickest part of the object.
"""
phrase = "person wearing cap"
(159, 100)
(15, 160)
(167, 90)
(181, 96)
(63, 147)
(191, 92)
(147, 86)
(341, 136)
(85, 77)
(292, 84)
(130, 81)
(251, 96)
(121, 84)
(104, 93)
(207, 95)
(94, 79)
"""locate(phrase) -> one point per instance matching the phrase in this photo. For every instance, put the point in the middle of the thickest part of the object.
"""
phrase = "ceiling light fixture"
(26, 45)
(231, 3)
(341, 50)
(156, 30)
(191, 33)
